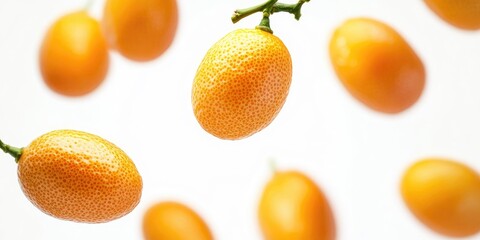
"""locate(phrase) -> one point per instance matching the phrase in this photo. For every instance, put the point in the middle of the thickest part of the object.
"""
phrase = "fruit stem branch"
(13, 151)
(239, 14)
(268, 8)
(294, 9)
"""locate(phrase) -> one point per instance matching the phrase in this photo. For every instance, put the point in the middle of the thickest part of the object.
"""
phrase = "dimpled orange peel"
(444, 195)
(463, 14)
(77, 176)
(171, 220)
(74, 55)
(293, 207)
(243, 80)
(241, 84)
(376, 65)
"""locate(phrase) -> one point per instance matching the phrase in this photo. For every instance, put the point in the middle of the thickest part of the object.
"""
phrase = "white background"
(355, 155)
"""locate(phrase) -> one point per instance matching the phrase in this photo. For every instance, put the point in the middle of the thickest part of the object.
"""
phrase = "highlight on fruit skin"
(77, 176)
(241, 84)
(140, 30)
(444, 195)
(463, 14)
(292, 206)
(376, 65)
(170, 220)
(74, 56)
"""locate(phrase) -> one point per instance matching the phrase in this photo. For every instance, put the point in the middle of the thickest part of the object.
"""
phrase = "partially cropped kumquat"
(463, 14)
(376, 65)
(74, 55)
(444, 195)
(292, 206)
(77, 176)
(140, 30)
(174, 221)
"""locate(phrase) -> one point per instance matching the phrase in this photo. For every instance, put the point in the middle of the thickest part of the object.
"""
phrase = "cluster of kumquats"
(239, 88)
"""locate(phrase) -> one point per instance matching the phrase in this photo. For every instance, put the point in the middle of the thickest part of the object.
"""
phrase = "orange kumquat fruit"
(241, 84)
(74, 55)
(77, 176)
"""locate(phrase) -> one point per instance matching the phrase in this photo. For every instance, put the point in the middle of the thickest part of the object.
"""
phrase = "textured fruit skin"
(376, 65)
(241, 84)
(444, 195)
(463, 14)
(292, 207)
(140, 30)
(79, 177)
(74, 56)
(174, 221)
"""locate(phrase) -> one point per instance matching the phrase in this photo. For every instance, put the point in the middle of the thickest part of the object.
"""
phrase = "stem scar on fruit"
(268, 8)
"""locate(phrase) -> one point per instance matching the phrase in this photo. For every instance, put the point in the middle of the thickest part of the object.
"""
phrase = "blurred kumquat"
(376, 65)
(74, 57)
(293, 207)
(140, 30)
(174, 221)
(463, 14)
(444, 195)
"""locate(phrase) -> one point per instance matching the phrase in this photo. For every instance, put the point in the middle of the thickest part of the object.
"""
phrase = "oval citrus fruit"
(444, 195)
(74, 55)
(464, 14)
(293, 207)
(241, 84)
(174, 221)
(376, 65)
(140, 30)
(78, 176)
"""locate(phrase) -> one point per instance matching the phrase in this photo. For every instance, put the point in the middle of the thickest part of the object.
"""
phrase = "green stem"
(268, 8)
(13, 151)
(265, 23)
(294, 9)
(241, 13)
